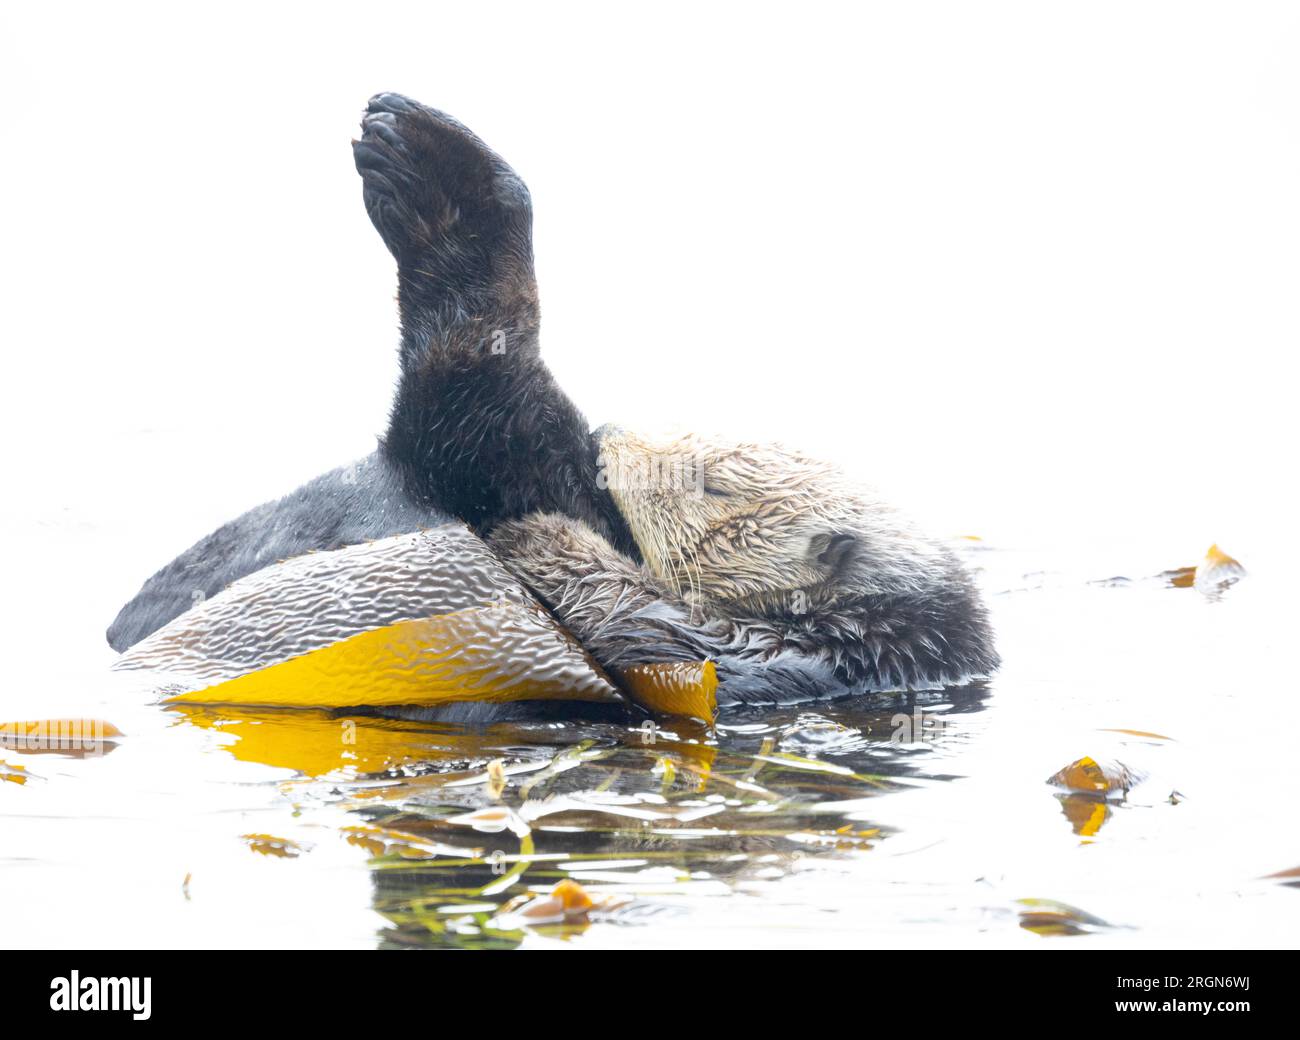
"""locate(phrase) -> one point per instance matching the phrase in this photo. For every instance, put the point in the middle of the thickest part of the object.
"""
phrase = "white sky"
(1033, 266)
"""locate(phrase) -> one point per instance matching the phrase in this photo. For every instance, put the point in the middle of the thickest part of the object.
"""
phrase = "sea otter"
(799, 583)
(795, 581)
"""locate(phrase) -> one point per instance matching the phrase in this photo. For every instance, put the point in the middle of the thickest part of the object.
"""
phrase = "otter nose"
(605, 432)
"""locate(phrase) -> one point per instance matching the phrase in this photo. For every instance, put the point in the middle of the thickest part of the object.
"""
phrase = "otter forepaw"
(439, 197)
(547, 551)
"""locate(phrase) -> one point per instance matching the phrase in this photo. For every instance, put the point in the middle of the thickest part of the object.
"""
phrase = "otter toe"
(392, 103)
(431, 186)
(381, 126)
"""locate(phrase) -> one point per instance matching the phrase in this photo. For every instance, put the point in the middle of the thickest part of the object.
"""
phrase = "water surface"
(891, 822)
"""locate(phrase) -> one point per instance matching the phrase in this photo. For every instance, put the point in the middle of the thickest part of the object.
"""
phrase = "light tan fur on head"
(757, 525)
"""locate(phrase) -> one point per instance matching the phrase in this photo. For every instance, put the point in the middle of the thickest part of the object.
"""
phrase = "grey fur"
(345, 506)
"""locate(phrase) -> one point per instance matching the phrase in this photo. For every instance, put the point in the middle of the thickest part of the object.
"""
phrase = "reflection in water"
(1086, 813)
(78, 738)
(463, 826)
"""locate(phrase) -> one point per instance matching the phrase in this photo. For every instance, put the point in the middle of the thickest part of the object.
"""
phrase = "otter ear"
(833, 549)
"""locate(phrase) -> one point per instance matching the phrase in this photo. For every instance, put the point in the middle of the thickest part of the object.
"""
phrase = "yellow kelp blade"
(14, 774)
(1089, 776)
(1216, 572)
(679, 688)
(416, 619)
(309, 602)
(270, 845)
(419, 619)
(500, 653)
(60, 736)
(1047, 917)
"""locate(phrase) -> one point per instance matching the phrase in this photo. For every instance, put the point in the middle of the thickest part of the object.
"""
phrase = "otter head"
(758, 528)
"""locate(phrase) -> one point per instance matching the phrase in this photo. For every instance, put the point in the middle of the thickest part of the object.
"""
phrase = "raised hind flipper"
(478, 425)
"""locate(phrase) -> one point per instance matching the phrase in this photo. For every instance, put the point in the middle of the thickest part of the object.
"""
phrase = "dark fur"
(856, 644)
(476, 434)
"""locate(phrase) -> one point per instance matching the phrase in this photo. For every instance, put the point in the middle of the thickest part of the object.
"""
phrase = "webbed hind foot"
(452, 212)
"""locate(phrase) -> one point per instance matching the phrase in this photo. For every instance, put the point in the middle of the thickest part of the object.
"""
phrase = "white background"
(1032, 267)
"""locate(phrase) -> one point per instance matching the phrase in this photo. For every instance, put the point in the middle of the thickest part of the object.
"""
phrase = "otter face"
(756, 527)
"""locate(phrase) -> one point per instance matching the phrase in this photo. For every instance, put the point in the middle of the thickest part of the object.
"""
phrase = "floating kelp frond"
(1217, 572)
(680, 688)
(1088, 776)
(270, 845)
(1210, 577)
(14, 774)
(79, 737)
(1047, 917)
